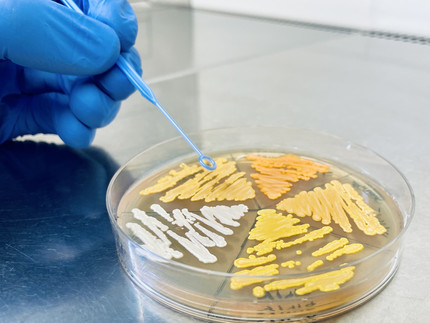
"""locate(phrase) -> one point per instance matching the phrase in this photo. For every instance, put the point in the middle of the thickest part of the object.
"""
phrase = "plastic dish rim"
(163, 261)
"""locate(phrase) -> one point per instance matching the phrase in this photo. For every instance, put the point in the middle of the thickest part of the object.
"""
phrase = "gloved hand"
(57, 72)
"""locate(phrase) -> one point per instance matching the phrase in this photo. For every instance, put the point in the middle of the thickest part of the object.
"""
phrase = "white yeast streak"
(211, 222)
(183, 227)
(152, 223)
(216, 238)
(162, 212)
(152, 243)
(194, 247)
(226, 215)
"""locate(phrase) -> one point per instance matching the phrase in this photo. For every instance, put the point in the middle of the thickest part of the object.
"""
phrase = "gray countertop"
(57, 253)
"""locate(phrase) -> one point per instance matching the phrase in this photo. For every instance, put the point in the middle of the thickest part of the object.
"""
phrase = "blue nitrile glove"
(57, 72)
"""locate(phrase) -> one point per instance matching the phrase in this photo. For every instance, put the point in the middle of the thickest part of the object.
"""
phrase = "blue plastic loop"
(147, 93)
(207, 162)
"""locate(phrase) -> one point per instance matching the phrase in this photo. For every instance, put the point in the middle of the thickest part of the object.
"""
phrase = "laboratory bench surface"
(58, 261)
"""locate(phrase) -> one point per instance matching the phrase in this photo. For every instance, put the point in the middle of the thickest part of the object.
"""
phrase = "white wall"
(410, 17)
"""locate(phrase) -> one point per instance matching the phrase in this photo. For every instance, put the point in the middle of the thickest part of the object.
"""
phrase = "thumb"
(48, 36)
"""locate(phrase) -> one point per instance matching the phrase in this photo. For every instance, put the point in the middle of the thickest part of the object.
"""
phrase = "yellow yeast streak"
(258, 291)
(239, 282)
(268, 246)
(253, 261)
(171, 179)
(330, 247)
(275, 174)
(334, 202)
(349, 249)
(326, 282)
(291, 264)
(315, 265)
(196, 183)
(271, 226)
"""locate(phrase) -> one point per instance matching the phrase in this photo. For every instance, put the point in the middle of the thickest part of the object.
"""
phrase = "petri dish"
(274, 261)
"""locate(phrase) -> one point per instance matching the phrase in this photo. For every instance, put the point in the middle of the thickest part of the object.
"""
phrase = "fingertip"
(91, 106)
(73, 132)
